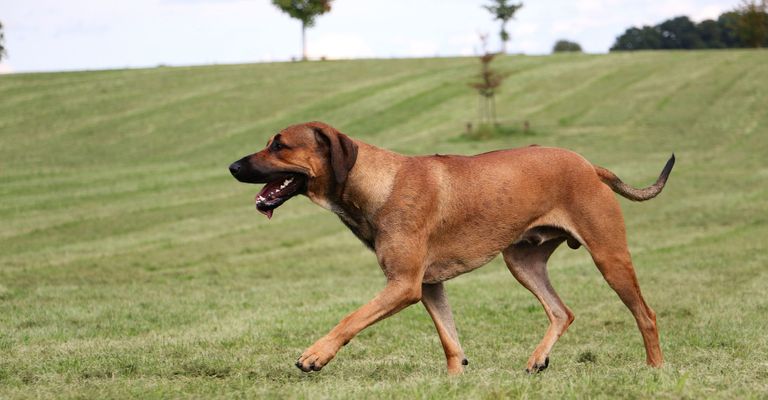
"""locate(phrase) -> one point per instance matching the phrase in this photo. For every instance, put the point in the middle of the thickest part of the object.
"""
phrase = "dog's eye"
(275, 146)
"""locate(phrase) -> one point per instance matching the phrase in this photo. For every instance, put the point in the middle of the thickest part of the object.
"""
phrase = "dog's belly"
(468, 243)
(442, 270)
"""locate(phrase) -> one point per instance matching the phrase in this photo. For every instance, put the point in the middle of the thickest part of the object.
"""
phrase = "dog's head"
(313, 159)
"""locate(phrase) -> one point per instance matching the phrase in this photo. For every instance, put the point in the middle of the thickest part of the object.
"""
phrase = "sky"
(55, 35)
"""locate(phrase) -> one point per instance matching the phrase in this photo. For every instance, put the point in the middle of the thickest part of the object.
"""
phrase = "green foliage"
(503, 10)
(638, 39)
(745, 27)
(490, 79)
(2, 42)
(491, 131)
(728, 23)
(305, 11)
(711, 34)
(132, 265)
(753, 23)
(679, 33)
(566, 46)
(486, 87)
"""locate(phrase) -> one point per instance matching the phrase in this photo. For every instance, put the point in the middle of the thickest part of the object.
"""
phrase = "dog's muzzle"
(243, 171)
(234, 168)
(279, 186)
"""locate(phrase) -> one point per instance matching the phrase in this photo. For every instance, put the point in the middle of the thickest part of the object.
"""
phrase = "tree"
(752, 26)
(566, 46)
(2, 42)
(679, 33)
(710, 33)
(489, 81)
(644, 38)
(503, 11)
(728, 23)
(747, 26)
(305, 11)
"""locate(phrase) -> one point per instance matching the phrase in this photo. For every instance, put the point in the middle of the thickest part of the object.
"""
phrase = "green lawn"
(133, 265)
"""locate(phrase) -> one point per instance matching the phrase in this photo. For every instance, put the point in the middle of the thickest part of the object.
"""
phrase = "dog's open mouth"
(278, 191)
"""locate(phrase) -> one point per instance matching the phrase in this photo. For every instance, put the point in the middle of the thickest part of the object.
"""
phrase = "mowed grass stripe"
(137, 233)
(87, 204)
(254, 134)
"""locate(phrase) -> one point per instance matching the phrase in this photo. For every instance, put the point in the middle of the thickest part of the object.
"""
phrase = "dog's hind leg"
(434, 299)
(528, 263)
(618, 271)
(605, 237)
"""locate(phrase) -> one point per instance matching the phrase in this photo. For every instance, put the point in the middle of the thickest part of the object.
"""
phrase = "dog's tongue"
(268, 213)
(263, 195)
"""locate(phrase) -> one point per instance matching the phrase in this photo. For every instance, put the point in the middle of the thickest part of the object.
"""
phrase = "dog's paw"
(456, 365)
(317, 356)
(534, 366)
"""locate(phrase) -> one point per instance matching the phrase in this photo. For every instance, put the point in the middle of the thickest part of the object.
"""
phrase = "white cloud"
(695, 9)
(337, 46)
(5, 68)
(467, 44)
(708, 12)
(422, 48)
(594, 5)
(525, 28)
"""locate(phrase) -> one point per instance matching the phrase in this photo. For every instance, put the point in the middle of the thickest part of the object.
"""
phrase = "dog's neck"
(370, 181)
(367, 188)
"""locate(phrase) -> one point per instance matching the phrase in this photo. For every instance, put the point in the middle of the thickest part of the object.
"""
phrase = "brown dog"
(432, 218)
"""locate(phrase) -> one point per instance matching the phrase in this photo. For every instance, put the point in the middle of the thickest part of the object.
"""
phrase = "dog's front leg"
(395, 296)
(436, 302)
(403, 266)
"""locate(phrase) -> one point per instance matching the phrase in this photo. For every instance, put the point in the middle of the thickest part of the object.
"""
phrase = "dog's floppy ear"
(342, 150)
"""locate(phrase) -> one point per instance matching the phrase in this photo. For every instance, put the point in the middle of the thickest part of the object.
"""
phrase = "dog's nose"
(234, 168)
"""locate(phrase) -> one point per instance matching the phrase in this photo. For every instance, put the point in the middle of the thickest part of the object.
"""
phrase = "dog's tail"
(613, 181)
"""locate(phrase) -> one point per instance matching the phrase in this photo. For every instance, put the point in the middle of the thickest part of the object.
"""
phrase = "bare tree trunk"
(503, 41)
(480, 109)
(485, 110)
(303, 42)
(493, 109)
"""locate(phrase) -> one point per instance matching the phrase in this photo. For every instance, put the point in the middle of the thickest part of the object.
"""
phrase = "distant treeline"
(732, 29)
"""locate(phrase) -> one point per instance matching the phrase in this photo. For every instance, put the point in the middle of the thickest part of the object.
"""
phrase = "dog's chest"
(359, 226)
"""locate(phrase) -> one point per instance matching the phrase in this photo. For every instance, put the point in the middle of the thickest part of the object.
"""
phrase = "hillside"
(131, 263)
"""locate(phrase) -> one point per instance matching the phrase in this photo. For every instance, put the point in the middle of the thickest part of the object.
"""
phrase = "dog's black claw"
(538, 367)
(465, 362)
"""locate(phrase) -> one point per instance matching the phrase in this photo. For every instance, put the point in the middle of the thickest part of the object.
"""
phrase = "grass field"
(133, 265)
